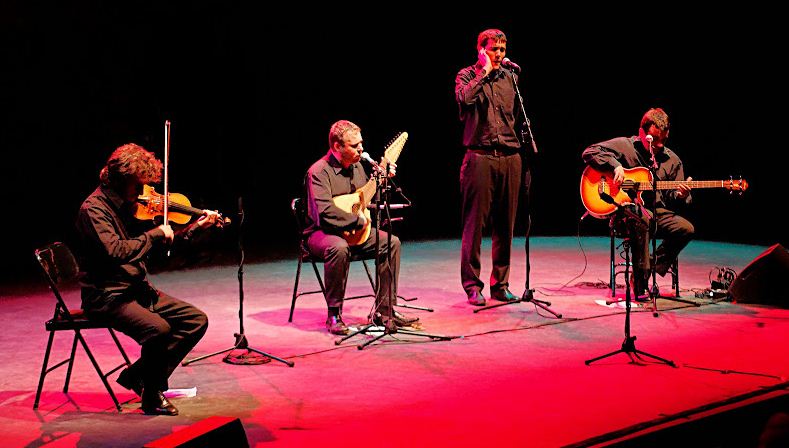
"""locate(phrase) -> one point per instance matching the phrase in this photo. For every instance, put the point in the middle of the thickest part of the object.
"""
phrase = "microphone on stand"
(649, 139)
(366, 157)
(506, 62)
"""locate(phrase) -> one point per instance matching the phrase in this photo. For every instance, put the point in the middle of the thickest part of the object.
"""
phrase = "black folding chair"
(299, 213)
(60, 267)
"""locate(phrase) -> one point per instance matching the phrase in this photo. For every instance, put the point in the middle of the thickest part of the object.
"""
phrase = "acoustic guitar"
(359, 199)
(600, 195)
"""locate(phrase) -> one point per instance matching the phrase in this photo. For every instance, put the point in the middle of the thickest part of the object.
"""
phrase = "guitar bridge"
(602, 187)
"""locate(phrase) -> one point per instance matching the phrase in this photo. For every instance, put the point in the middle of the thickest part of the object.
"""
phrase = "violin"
(151, 204)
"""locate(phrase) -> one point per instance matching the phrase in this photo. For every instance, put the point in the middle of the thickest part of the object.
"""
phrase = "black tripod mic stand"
(526, 137)
(241, 338)
(629, 344)
(389, 327)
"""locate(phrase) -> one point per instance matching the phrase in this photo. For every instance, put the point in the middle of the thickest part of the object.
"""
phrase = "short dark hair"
(486, 35)
(655, 116)
(338, 130)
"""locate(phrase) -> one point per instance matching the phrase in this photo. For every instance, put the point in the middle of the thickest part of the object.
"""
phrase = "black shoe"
(639, 283)
(335, 325)
(476, 298)
(503, 295)
(389, 324)
(129, 381)
(405, 319)
(155, 403)
(641, 296)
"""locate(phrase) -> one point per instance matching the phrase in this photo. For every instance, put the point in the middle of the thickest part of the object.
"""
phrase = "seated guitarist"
(630, 152)
(337, 173)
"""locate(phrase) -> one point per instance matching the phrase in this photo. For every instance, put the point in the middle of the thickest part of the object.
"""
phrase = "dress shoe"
(639, 283)
(128, 380)
(389, 324)
(503, 295)
(476, 298)
(335, 325)
(155, 403)
(405, 319)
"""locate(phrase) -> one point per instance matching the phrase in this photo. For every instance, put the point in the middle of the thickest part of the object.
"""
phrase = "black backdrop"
(251, 93)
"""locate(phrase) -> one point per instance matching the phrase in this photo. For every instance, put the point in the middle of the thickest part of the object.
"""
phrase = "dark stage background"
(252, 92)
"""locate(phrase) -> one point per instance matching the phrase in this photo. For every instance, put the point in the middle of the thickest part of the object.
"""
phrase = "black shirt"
(488, 108)
(629, 152)
(111, 260)
(326, 179)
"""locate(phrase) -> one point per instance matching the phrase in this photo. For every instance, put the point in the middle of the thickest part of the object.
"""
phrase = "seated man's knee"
(201, 321)
(338, 252)
(159, 329)
(690, 230)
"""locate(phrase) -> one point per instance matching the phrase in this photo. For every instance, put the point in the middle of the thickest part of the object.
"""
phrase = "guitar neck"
(674, 184)
(391, 153)
(366, 193)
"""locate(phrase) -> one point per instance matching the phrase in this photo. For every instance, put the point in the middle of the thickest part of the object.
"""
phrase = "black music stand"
(629, 344)
(389, 328)
(241, 339)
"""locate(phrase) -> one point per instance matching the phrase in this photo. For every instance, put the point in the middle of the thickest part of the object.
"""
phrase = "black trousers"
(676, 232)
(489, 185)
(166, 327)
(336, 255)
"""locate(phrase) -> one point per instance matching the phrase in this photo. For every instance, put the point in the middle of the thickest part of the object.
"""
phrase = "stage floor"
(511, 376)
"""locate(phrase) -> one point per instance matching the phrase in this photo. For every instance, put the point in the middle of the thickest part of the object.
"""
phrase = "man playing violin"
(115, 288)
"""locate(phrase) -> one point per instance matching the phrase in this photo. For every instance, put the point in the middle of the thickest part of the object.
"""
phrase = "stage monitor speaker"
(212, 431)
(765, 280)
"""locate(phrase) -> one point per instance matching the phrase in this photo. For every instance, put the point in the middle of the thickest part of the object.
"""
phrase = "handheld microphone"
(506, 62)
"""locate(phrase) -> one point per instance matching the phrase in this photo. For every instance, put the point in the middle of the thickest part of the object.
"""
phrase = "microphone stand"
(389, 328)
(390, 220)
(654, 291)
(241, 338)
(629, 344)
(526, 136)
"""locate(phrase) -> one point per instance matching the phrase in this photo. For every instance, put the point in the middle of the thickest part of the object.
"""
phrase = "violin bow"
(166, 196)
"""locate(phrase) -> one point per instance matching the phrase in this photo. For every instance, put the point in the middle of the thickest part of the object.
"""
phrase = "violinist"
(115, 288)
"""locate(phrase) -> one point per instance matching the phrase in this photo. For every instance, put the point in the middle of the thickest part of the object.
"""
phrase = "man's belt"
(491, 151)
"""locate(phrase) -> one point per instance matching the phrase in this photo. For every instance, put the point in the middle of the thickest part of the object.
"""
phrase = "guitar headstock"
(392, 151)
(736, 185)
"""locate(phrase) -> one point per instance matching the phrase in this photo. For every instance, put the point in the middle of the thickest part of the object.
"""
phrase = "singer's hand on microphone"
(619, 175)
